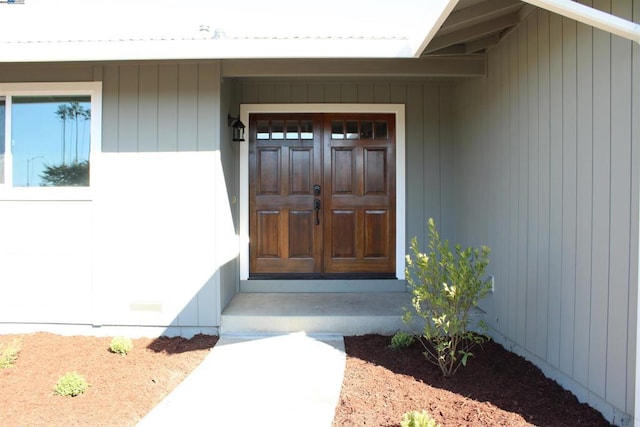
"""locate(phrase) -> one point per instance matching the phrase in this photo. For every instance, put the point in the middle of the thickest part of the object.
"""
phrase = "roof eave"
(432, 23)
(124, 50)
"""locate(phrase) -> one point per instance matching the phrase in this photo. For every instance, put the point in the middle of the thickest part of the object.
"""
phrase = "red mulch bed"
(498, 387)
(122, 388)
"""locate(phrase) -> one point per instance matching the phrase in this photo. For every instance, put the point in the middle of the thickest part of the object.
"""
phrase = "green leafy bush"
(401, 340)
(418, 419)
(445, 287)
(66, 175)
(121, 345)
(71, 384)
(9, 353)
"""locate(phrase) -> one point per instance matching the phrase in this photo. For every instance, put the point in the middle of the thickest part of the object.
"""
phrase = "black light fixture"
(237, 128)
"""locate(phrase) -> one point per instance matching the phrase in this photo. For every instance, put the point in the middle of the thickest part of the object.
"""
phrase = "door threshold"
(323, 276)
(323, 285)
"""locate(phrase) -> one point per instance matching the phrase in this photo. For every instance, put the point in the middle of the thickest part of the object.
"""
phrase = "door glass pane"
(306, 129)
(337, 131)
(366, 131)
(51, 140)
(292, 130)
(262, 128)
(277, 129)
(2, 113)
(382, 131)
(352, 130)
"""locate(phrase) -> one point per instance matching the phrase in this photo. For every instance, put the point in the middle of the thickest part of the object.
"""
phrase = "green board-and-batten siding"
(161, 107)
(546, 150)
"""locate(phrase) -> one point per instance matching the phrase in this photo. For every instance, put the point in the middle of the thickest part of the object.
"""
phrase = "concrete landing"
(315, 313)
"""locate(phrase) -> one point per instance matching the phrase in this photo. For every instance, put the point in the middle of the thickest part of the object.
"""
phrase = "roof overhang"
(77, 30)
(137, 30)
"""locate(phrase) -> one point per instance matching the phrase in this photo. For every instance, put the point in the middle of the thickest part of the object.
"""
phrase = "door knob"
(316, 190)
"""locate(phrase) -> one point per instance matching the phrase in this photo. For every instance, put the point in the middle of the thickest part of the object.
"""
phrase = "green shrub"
(9, 353)
(71, 384)
(445, 287)
(418, 419)
(121, 345)
(401, 340)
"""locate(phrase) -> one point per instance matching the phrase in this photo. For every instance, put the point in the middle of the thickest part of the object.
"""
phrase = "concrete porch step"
(315, 313)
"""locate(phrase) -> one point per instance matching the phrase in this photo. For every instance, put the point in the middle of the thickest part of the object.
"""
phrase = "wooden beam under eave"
(477, 13)
(477, 31)
(456, 49)
(450, 66)
(482, 44)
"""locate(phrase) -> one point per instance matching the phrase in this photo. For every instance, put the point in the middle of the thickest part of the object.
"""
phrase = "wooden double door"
(322, 195)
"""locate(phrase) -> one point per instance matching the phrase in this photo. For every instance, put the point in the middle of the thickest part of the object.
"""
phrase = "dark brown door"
(322, 195)
(359, 180)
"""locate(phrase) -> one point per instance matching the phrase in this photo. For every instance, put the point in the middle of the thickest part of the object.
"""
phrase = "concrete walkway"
(282, 380)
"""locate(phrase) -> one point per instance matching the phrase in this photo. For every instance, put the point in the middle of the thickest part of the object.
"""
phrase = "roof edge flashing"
(419, 41)
(590, 16)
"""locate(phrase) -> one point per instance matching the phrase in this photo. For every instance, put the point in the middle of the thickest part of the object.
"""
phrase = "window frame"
(10, 90)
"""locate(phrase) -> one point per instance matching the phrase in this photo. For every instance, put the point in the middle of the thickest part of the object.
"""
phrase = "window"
(47, 133)
(354, 129)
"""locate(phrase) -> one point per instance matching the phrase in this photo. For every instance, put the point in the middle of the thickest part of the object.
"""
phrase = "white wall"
(46, 261)
(142, 252)
(163, 229)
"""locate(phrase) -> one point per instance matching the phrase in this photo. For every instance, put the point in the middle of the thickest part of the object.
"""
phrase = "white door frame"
(397, 109)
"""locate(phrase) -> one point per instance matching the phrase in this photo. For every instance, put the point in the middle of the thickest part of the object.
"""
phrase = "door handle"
(316, 206)
(316, 190)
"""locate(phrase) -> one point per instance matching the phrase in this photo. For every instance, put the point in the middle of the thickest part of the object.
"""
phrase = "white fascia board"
(434, 16)
(590, 16)
(202, 49)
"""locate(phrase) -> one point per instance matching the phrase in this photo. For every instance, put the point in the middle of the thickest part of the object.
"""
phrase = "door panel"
(284, 162)
(322, 194)
(359, 172)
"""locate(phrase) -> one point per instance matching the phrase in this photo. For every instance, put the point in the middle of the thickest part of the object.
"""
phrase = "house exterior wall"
(230, 271)
(145, 244)
(429, 131)
(547, 176)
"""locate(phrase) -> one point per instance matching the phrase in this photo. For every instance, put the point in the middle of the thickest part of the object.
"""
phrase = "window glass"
(382, 130)
(306, 129)
(2, 133)
(51, 140)
(337, 131)
(352, 130)
(366, 131)
(277, 129)
(292, 130)
(263, 129)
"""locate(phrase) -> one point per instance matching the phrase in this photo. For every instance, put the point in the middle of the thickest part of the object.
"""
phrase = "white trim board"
(397, 109)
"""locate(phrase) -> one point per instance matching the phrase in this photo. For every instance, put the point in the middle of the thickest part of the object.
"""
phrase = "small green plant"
(418, 419)
(121, 345)
(401, 340)
(9, 353)
(71, 384)
(445, 287)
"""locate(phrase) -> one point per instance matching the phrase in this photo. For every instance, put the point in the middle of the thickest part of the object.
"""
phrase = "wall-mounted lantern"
(237, 128)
